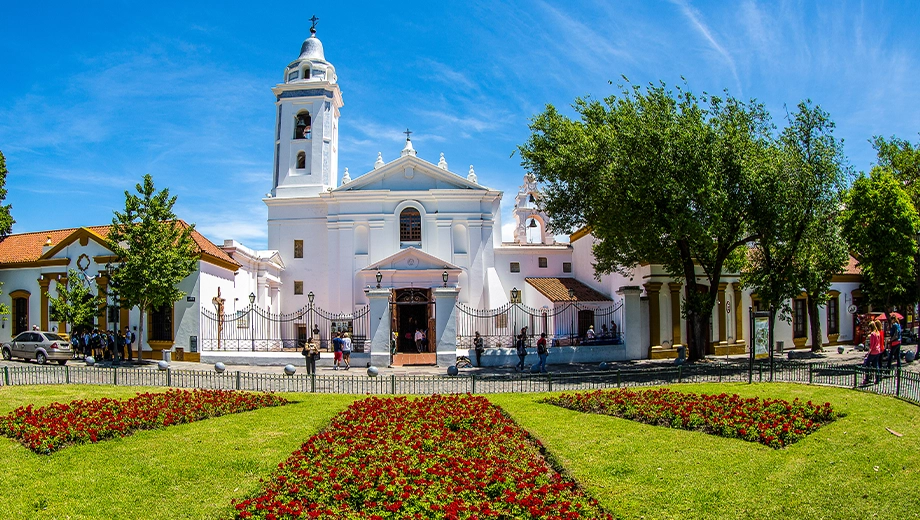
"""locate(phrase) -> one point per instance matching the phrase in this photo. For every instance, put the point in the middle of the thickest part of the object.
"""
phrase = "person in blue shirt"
(894, 338)
(337, 345)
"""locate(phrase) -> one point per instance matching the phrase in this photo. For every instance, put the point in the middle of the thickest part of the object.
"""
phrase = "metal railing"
(898, 383)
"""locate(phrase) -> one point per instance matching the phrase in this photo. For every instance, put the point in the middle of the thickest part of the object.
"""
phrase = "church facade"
(413, 248)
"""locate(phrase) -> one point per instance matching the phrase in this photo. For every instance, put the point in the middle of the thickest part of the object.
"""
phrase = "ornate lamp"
(252, 298)
(379, 277)
(310, 297)
(514, 295)
(444, 277)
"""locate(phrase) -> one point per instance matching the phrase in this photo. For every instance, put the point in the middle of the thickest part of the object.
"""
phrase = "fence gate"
(258, 329)
(564, 324)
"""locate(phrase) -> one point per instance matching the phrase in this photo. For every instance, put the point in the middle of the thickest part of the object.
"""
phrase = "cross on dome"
(313, 27)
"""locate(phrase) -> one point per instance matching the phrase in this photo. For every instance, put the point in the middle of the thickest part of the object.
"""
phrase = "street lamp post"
(444, 276)
(252, 329)
(310, 297)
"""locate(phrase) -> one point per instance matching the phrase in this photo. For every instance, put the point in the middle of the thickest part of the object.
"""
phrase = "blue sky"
(94, 96)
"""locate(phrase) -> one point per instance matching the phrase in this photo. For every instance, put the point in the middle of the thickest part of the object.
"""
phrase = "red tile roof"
(27, 247)
(557, 290)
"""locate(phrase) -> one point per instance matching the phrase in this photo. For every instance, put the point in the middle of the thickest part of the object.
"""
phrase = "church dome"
(312, 49)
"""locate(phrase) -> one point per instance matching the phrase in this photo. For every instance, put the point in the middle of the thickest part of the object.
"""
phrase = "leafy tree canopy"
(880, 224)
(74, 303)
(658, 176)
(156, 250)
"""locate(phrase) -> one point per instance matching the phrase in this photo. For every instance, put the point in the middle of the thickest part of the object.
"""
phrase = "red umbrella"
(897, 315)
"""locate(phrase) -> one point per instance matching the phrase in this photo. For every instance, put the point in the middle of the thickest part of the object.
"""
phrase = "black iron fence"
(258, 329)
(566, 323)
(898, 383)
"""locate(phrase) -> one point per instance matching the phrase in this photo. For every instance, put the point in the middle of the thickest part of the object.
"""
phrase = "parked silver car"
(38, 345)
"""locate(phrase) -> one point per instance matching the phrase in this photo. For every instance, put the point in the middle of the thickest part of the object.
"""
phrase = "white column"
(379, 301)
(445, 304)
(632, 321)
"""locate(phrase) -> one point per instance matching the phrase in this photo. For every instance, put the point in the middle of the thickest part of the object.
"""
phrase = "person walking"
(129, 342)
(894, 340)
(419, 338)
(310, 353)
(346, 350)
(479, 347)
(336, 351)
(875, 353)
(521, 347)
(542, 351)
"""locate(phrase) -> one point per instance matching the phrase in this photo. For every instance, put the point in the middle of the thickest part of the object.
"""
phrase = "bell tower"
(531, 224)
(307, 126)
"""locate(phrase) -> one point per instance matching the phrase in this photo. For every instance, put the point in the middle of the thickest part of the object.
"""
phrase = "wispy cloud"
(696, 19)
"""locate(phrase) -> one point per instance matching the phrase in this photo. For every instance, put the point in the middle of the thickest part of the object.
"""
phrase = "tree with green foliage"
(6, 218)
(74, 303)
(880, 224)
(658, 177)
(903, 159)
(798, 246)
(156, 251)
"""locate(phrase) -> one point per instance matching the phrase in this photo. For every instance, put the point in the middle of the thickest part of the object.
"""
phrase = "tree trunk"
(140, 334)
(697, 323)
(814, 321)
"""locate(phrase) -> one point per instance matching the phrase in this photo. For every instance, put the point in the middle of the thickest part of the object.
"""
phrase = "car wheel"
(62, 362)
(41, 358)
(7, 355)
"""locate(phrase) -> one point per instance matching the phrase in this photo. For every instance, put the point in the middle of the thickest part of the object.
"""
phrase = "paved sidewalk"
(324, 367)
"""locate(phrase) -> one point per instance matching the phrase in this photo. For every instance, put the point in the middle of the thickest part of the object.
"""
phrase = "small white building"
(34, 265)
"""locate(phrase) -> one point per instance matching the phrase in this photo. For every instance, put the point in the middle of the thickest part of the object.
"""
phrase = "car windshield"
(52, 336)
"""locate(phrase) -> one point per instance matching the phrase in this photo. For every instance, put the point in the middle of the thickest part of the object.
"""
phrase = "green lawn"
(186, 471)
(852, 468)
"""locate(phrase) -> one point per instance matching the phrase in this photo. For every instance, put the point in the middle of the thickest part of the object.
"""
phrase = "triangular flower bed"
(438, 457)
(773, 422)
(50, 428)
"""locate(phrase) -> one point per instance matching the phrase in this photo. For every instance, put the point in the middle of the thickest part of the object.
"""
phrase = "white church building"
(414, 246)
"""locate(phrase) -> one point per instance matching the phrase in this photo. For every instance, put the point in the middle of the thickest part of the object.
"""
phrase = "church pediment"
(411, 259)
(409, 173)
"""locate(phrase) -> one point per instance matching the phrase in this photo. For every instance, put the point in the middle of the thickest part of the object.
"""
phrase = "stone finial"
(472, 176)
(379, 161)
(345, 177)
(442, 164)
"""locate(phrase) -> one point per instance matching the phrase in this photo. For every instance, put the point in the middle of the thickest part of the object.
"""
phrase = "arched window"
(410, 226)
(302, 124)
(306, 73)
(20, 311)
(301, 160)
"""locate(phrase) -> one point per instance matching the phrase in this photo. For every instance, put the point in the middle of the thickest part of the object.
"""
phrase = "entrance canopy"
(411, 267)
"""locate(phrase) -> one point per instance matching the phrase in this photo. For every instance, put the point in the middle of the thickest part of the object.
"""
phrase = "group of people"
(103, 345)
(879, 344)
(341, 352)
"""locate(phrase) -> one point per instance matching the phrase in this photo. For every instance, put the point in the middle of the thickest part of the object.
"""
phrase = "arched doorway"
(20, 310)
(413, 311)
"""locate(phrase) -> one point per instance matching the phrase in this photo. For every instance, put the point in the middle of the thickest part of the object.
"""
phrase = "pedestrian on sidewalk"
(894, 340)
(479, 347)
(542, 351)
(521, 347)
(337, 351)
(310, 353)
(346, 350)
(875, 353)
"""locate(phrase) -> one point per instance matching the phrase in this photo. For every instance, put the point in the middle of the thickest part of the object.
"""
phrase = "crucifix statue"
(219, 306)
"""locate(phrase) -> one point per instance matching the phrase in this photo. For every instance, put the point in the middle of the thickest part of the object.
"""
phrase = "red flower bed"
(448, 457)
(773, 422)
(52, 427)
